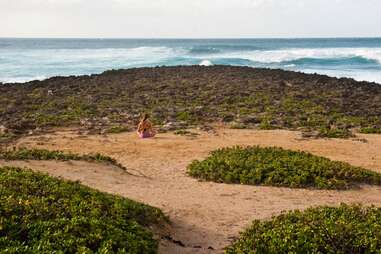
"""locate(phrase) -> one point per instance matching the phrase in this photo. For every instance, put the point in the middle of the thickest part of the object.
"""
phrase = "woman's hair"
(145, 116)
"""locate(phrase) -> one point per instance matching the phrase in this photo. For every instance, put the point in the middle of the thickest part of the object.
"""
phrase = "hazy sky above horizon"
(190, 18)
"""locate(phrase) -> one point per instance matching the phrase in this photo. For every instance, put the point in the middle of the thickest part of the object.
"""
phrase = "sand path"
(205, 216)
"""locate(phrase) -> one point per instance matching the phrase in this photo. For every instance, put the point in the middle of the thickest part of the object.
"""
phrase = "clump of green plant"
(326, 132)
(6, 137)
(370, 130)
(238, 126)
(266, 125)
(42, 214)
(24, 153)
(344, 229)
(185, 133)
(279, 167)
(183, 116)
(117, 129)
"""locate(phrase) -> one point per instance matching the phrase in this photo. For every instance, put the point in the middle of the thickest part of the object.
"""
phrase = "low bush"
(4, 137)
(345, 229)
(41, 214)
(238, 126)
(43, 154)
(117, 129)
(279, 167)
(370, 130)
(335, 133)
(185, 133)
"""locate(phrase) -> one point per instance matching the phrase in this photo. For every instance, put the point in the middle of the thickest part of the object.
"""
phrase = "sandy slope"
(203, 214)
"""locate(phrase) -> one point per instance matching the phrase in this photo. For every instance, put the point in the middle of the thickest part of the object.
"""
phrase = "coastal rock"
(171, 126)
(194, 94)
(250, 119)
(206, 128)
(87, 123)
(22, 126)
(3, 130)
(228, 118)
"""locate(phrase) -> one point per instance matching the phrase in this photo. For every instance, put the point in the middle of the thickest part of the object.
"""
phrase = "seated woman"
(145, 128)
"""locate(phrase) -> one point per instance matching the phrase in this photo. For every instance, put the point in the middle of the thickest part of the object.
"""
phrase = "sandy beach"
(205, 217)
(190, 127)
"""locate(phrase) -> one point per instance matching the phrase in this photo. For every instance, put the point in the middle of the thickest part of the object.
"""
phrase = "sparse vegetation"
(371, 130)
(24, 153)
(336, 230)
(6, 137)
(279, 167)
(238, 126)
(41, 214)
(193, 95)
(326, 132)
(185, 133)
(118, 129)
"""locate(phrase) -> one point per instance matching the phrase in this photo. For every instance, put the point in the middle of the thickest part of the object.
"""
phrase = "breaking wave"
(206, 63)
(25, 60)
(287, 55)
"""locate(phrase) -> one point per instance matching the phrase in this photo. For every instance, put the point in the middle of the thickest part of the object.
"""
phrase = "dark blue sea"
(28, 59)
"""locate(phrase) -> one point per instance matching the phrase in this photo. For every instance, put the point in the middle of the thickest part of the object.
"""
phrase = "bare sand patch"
(204, 214)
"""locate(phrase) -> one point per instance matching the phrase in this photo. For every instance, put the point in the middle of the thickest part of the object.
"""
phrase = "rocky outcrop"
(183, 96)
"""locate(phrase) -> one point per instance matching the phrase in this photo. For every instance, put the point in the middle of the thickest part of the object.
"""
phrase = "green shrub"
(238, 126)
(279, 167)
(370, 130)
(185, 133)
(6, 137)
(117, 129)
(41, 214)
(183, 116)
(266, 125)
(345, 229)
(334, 133)
(43, 154)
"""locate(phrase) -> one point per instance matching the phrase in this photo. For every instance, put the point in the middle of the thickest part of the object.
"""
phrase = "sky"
(190, 18)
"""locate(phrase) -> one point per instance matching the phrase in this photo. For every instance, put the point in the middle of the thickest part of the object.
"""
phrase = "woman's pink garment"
(146, 134)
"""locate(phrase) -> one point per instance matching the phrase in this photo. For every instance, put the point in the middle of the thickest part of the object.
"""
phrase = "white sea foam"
(138, 54)
(20, 65)
(359, 75)
(283, 55)
(21, 79)
(206, 63)
(27, 65)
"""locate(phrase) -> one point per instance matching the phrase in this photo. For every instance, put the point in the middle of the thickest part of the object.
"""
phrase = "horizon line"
(196, 38)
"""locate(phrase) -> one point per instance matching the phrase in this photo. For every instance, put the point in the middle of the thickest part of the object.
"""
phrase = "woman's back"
(144, 125)
(145, 128)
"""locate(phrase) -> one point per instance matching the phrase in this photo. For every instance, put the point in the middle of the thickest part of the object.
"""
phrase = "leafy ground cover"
(371, 130)
(41, 214)
(43, 154)
(345, 229)
(326, 132)
(185, 133)
(117, 129)
(279, 167)
(193, 96)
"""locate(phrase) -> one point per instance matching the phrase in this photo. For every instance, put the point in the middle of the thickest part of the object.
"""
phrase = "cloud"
(190, 18)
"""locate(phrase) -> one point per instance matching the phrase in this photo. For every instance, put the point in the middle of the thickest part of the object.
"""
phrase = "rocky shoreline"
(188, 96)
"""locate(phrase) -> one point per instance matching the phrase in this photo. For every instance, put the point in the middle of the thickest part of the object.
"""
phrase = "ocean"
(29, 59)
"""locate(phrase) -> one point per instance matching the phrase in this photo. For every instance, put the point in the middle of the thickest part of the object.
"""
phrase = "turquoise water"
(28, 59)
